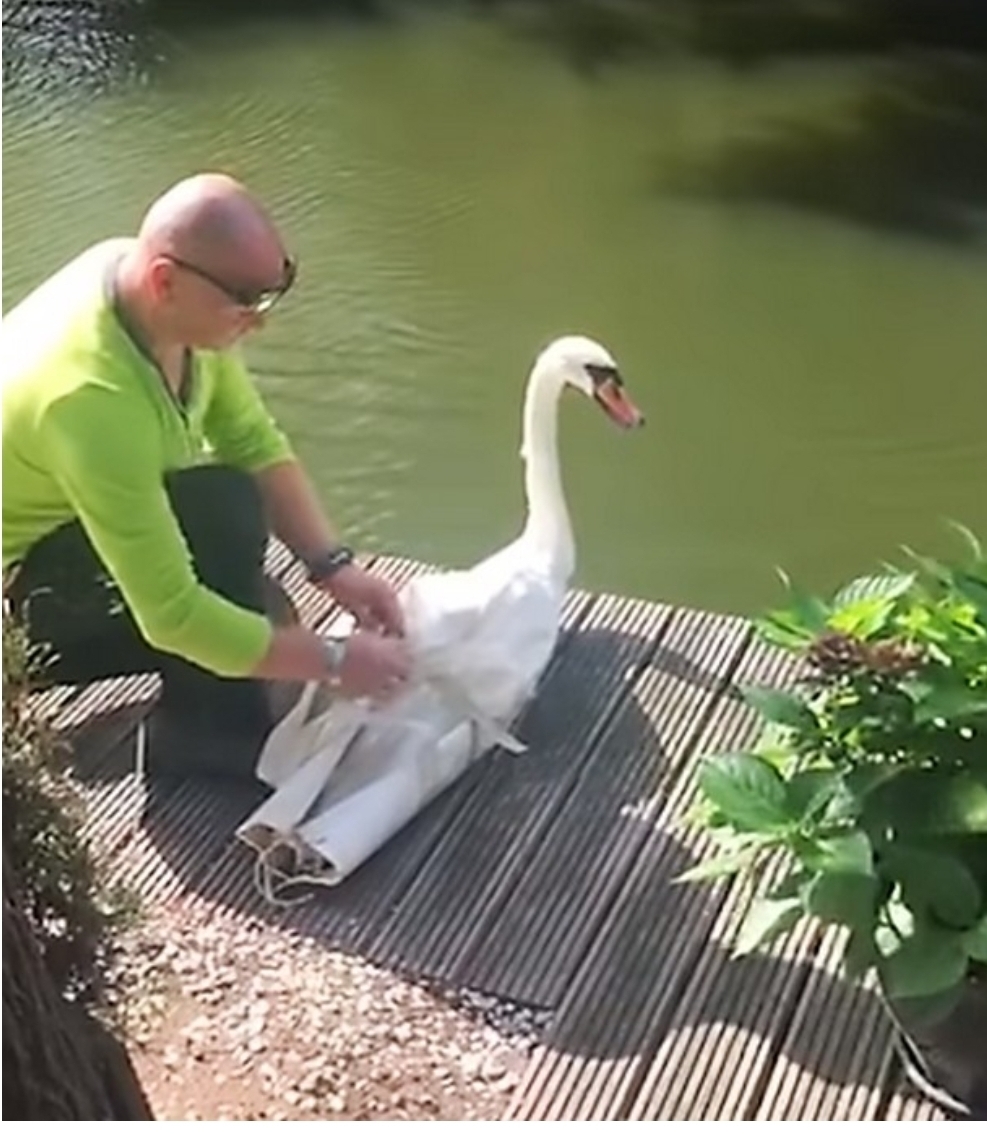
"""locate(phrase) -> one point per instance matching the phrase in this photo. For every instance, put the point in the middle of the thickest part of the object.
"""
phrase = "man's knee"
(219, 507)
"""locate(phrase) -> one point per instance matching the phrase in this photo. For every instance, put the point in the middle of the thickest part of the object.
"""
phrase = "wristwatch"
(334, 650)
(324, 565)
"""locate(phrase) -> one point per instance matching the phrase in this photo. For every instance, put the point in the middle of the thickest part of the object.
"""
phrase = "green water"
(816, 391)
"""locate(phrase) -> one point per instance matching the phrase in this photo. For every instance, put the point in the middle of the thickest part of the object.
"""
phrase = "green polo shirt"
(89, 430)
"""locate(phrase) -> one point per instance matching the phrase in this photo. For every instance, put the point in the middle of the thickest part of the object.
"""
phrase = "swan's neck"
(548, 524)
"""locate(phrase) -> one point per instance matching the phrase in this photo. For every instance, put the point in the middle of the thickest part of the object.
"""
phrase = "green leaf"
(747, 789)
(929, 801)
(794, 627)
(780, 707)
(952, 702)
(973, 544)
(844, 898)
(886, 587)
(849, 801)
(928, 963)
(864, 618)
(805, 610)
(792, 885)
(975, 940)
(863, 779)
(847, 853)
(811, 790)
(781, 628)
(934, 883)
(974, 590)
(765, 920)
(928, 565)
(720, 867)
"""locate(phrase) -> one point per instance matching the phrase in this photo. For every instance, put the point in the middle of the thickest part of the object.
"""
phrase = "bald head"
(201, 246)
(212, 219)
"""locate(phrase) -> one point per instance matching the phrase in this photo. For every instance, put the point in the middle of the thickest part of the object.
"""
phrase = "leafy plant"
(72, 913)
(868, 786)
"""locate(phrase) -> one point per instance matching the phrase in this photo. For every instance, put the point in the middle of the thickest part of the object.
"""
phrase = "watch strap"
(324, 565)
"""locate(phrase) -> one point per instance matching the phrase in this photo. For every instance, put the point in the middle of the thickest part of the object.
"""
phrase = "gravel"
(231, 1018)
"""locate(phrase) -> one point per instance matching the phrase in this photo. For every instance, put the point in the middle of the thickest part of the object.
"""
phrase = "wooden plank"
(723, 1034)
(720, 1036)
(180, 834)
(907, 1105)
(156, 823)
(527, 949)
(99, 752)
(654, 1019)
(479, 860)
(188, 839)
(46, 704)
(622, 1000)
(835, 1057)
(351, 915)
(794, 1056)
(115, 800)
(91, 722)
(277, 559)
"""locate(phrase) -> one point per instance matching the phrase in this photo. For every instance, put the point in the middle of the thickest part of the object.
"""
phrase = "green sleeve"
(106, 464)
(240, 430)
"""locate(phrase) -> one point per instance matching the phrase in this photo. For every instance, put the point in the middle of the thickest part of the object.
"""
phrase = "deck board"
(836, 1054)
(618, 1007)
(357, 913)
(533, 942)
(448, 910)
(549, 879)
(724, 1031)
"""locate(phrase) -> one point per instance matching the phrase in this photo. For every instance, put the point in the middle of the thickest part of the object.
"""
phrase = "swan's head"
(575, 360)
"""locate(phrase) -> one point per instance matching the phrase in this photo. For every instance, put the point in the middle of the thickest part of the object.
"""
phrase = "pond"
(815, 386)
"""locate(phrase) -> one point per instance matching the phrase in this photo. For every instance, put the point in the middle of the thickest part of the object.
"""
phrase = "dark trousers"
(80, 629)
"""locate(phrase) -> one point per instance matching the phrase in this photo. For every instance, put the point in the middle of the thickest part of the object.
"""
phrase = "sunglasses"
(259, 302)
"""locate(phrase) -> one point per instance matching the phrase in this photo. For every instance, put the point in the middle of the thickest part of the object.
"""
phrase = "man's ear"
(161, 279)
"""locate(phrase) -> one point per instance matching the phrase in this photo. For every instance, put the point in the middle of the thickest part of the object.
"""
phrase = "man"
(142, 475)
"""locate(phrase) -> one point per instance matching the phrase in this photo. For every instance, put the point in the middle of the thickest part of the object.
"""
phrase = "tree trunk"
(58, 1063)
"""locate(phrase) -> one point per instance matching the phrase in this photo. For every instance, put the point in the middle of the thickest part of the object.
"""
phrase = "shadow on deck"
(547, 880)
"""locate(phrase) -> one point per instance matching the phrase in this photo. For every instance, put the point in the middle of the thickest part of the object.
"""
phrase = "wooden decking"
(546, 879)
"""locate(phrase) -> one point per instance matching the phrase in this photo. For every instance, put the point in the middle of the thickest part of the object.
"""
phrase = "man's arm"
(110, 476)
(297, 518)
(245, 435)
(294, 513)
(371, 666)
(100, 453)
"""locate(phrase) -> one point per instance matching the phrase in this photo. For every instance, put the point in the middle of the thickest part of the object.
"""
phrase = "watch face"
(335, 652)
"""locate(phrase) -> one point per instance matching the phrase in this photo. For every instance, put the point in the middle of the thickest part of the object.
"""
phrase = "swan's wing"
(492, 640)
(449, 606)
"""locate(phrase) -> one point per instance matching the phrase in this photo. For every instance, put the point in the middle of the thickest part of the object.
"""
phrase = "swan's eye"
(602, 374)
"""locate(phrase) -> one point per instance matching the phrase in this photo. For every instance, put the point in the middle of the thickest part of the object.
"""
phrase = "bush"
(870, 781)
(71, 913)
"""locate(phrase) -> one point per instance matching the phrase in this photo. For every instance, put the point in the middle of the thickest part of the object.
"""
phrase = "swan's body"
(481, 638)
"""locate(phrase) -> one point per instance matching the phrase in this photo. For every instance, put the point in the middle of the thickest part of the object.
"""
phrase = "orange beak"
(617, 405)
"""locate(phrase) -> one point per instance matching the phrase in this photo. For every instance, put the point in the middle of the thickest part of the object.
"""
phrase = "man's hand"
(373, 666)
(372, 601)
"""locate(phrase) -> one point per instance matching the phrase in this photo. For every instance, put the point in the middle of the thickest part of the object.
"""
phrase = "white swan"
(481, 638)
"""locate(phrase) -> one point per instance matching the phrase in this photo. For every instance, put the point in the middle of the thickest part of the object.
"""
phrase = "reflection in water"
(911, 153)
(457, 197)
(69, 47)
